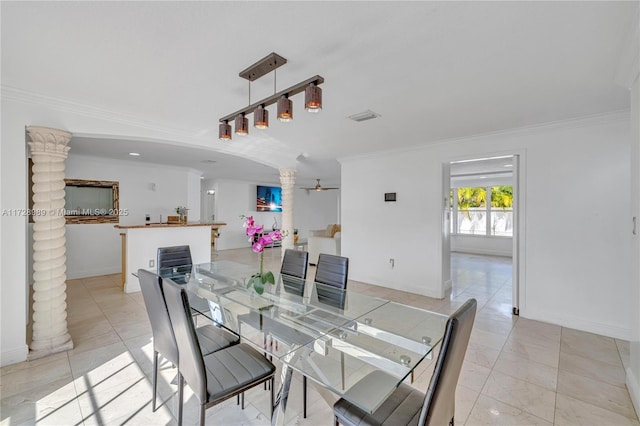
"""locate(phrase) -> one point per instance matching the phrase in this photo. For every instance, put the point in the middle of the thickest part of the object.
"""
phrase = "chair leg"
(202, 412)
(238, 399)
(451, 422)
(304, 397)
(180, 396)
(155, 379)
(273, 396)
(335, 419)
(242, 400)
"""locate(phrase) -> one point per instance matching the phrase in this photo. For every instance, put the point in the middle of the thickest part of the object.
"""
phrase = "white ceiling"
(432, 70)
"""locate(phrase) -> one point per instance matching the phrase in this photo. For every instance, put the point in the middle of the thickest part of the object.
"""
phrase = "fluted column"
(287, 180)
(48, 151)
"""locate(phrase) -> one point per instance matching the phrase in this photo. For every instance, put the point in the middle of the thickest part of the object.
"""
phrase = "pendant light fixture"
(285, 109)
(313, 99)
(242, 125)
(224, 131)
(261, 118)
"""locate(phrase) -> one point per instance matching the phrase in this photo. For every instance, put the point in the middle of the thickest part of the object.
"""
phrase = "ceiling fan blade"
(318, 187)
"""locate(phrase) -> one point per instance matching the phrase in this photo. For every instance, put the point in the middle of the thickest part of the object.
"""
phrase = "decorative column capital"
(45, 140)
(287, 177)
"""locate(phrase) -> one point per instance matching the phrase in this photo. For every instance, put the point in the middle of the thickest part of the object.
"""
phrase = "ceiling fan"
(319, 187)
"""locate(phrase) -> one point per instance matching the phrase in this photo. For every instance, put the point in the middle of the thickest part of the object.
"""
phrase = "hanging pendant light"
(261, 118)
(242, 125)
(313, 98)
(224, 131)
(285, 109)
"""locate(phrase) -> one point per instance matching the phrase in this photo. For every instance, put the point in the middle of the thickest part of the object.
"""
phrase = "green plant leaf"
(258, 286)
(268, 277)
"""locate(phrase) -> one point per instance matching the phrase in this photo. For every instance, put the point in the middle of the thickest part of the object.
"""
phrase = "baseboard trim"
(608, 330)
(633, 386)
(14, 356)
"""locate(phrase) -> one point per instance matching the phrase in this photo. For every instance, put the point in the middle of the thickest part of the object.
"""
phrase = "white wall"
(312, 210)
(633, 372)
(315, 210)
(94, 249)
(143, 243)
(576, 260)
(13, 239)
(629, 77)
(479, 244)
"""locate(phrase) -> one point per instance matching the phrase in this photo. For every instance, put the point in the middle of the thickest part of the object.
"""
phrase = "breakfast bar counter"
(140, 245)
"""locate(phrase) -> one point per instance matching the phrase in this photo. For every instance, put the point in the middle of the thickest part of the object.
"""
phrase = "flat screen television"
(269, 199)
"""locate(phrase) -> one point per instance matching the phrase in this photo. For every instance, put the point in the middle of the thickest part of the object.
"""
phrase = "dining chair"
(174, 262)
(220, 375)
(294, 264)
(211, 338)
(407, 405)
(333, 271)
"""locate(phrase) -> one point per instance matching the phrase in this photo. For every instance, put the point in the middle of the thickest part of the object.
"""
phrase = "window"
(482, 211)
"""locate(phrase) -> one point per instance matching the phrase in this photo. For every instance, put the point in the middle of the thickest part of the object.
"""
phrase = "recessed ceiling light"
(201, 177)
(134, 154)
(508, 165)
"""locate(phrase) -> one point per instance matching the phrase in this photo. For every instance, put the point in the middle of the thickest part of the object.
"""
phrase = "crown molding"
(86, 110)
(629, 64)
(571, 123)
(170, 135)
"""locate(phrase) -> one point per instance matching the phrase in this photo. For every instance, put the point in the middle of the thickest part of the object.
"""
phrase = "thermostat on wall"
(389, 196)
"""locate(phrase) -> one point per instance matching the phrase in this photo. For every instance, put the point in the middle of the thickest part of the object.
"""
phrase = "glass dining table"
(357, 346)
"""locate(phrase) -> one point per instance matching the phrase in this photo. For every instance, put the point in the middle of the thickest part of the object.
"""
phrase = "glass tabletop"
(359, 346)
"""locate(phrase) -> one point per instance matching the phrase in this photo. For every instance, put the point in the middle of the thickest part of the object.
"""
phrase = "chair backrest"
(174, 261)
(439, 401)
(333, 271)
(190, 364)
(294, 264)
(164, 340)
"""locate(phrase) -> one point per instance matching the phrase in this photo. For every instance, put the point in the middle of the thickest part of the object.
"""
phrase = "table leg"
(283, 396)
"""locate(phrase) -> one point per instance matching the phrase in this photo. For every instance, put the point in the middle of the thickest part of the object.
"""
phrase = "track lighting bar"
(291, 91)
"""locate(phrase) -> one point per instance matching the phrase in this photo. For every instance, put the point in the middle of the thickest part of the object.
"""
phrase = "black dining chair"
(218, 376)
(294, 264)
(174, 262)
(409, 406)
(211, 338)
(333, 272)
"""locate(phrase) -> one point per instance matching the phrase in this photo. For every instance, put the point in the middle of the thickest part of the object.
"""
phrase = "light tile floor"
(516, 371)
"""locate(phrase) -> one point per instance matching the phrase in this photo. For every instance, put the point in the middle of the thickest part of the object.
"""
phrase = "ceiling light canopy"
(312, 102)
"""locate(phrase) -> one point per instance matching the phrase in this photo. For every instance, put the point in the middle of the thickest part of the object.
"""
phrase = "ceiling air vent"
(364, 116)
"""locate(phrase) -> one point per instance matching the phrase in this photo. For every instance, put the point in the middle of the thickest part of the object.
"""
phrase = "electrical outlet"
(152, 263)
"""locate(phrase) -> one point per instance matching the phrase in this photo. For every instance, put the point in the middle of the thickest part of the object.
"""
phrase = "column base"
(41, 353)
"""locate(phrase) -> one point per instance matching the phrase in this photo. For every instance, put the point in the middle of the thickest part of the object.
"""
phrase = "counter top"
(170, 225)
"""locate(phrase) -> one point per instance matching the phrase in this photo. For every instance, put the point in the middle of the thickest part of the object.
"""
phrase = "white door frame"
(519, 238)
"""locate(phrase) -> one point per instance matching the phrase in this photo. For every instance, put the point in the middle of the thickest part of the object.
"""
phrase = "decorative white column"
(48, 151)
(287, 180)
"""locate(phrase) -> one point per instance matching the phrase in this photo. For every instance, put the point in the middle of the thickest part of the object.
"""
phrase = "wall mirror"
(91, 201)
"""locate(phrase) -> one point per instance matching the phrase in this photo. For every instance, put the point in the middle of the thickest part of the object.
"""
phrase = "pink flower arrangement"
(263, 240)
(259, 241)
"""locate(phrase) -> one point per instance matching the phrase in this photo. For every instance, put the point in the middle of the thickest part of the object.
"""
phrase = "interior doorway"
(482, 198)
